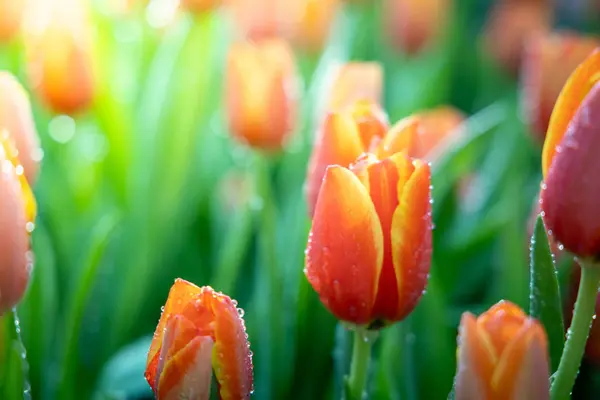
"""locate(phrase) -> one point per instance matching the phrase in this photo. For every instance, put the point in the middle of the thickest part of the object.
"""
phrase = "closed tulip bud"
(17, 119)
(570, 193)
(369, 249)
(11, 13)
(502, 354)
(200, 331)
(413, 25)
(313, 24)
(59, 57)
(356, 81)
(548, 62)
(526, 18)
(16, 212)
(260, 93)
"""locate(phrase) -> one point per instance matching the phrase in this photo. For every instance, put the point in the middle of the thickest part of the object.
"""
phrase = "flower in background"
(262, 19)
(11, 13)
(59, 55)
(511, 24)
(199, 331)
(412, 25)
(356, 81)
(199, 6)
(17, 213)
(570, 193)
(369, 248)
(17, 119)
(260, 93)
(313, 23)
(502, 354)
(547, 63)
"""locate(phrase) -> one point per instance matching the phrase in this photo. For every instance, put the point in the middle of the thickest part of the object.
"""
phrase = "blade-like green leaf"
(545, 302)
(14, 383)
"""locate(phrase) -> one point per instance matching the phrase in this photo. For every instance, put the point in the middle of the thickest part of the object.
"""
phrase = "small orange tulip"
(261, 19)
(199, 6)
(314, 22)
(369, 249)
(199, 331)
(59, 58)
(570, 194)
(547, 63)
(412, 25)
(11, 13)
(17, 119)
(502, 354)
(356, 81)
(260, 96)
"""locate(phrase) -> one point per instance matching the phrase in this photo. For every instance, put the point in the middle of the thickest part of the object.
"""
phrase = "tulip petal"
(356, 81)
(501, 322)
(344, 254)
(338, 143)
(411, 235)
(403, 136)
(575, 90)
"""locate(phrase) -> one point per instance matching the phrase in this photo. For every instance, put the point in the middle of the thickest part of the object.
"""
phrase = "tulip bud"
(413, 25)
(547, 63)
(369, 248)
(570, 193)
(199, 6)
(313, 24)
(17, 119)
(502, 354)
(526, 18)
(15, 210)
(261, 19)
(260, 95)
(356, 81)
(199, 331)
(59, 57)
(11, 12)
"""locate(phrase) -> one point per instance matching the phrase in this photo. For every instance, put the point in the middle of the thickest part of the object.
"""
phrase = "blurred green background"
(146, 185)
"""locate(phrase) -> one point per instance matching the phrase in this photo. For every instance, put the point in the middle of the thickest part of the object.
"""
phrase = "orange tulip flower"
(369, 248)
(313, 23)
(570, 194)
(356, 81)
(199, 331)
(261, 19)
(59, 57)
(547, 63)
(17, 211)
(17, 119)
(502, 354)
(11, 13)
(198, 6)
(413, 25)
(260, 96)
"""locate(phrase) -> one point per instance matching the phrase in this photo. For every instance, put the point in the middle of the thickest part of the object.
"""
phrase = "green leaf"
(14, 369)
(545, 302)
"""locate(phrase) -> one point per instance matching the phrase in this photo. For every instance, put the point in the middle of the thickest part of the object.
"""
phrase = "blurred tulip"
(369, 248)
(59, 56)
(547, 63)
(260, 93)
(502, 354)
(511, 24)
(199, 6)
(199, 331)
(314, 21)
(17, 210)
(17, 119)
(261, 19)
(570, 192)
(11, 13)
(413, 25)
(354, 82)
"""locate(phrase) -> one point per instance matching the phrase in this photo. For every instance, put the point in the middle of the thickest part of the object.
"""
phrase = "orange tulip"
(502, 354)
(11, 13)
(511, 24)
(570, 194)
(413, 25)
(17, 211)
(260, 96)
(198, 6)
(547, 63)
(313, 23)
(17, 119)
(354, 82)
(261, 19)
(369, 248)
(199, 331)
(59, 57)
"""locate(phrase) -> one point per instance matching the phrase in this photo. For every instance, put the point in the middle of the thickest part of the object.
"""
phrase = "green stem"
(578, 332)
(359, 368)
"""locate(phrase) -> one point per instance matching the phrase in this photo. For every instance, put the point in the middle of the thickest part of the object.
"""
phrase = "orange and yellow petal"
(402, 137)
(502, 322)
(372, 122)
(411, 236)
(356, 81)
(345, 250)
(572, 95)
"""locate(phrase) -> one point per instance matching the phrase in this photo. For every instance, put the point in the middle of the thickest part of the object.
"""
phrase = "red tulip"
(502, 354)
(369, 248)
(199, 331)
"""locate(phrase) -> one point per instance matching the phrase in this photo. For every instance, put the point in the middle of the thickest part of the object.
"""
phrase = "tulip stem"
(577, 335)
(359, 368)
